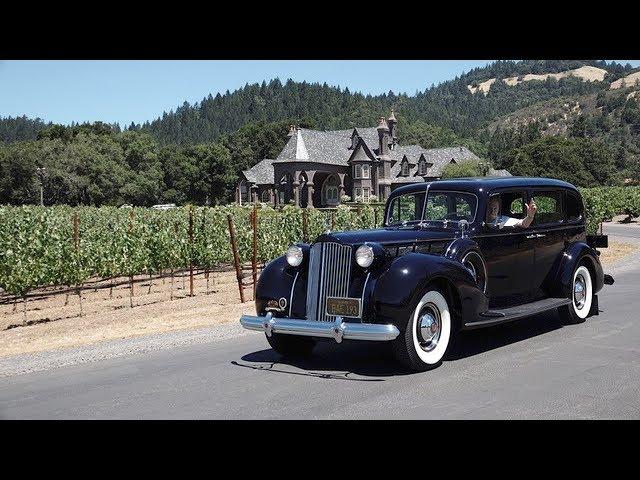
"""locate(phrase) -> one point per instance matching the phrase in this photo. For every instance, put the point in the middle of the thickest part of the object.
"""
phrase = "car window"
(549, 208)
(516, 207)
(405, 208)
(512, 204)
(574, 207)
(452, 206)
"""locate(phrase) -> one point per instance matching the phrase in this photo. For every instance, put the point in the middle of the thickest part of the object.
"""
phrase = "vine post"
(236, 259)
(131, 220)
(76, 246)
(254, 256)
(191, 248)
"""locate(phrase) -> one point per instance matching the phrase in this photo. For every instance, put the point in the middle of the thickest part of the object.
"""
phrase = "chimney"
(393, 125)
(383, 136)
(292, 131)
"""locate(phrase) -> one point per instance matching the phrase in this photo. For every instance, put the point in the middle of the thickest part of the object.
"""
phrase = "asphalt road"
(534, 368)
(621, 230)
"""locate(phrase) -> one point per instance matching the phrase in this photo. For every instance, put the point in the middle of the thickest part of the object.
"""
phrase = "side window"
(510, 204)
(573, 207)
(516, 208)
(549, 208)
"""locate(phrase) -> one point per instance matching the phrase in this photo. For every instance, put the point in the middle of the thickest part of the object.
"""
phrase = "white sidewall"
(435, 355)
(584, 311)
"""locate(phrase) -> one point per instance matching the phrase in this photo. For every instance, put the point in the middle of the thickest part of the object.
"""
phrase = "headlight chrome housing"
(364, 256)
(294, 256)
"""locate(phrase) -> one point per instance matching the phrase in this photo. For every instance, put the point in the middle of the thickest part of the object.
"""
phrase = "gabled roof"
(261, 173)
(334, 147)
(438, 157)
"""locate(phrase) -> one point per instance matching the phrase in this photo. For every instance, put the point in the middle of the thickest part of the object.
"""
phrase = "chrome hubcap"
(472, 269)
(579, 292)
(429, 327)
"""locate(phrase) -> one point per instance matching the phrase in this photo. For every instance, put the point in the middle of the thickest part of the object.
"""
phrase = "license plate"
(343, 307)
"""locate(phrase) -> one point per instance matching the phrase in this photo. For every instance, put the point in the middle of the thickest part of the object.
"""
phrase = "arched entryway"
(331, 191)
(304, 194)
(285, 189)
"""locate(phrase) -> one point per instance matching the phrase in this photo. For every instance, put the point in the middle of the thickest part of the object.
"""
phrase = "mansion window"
(362, 194)
(265, 196)
(405, 169)
(361, 171)
(422, 168)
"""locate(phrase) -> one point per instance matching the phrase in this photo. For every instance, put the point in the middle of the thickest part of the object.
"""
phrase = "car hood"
(388, 235)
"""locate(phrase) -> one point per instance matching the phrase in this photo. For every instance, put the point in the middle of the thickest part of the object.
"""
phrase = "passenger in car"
(495, 219)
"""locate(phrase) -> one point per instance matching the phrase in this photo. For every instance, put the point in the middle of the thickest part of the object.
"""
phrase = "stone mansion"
(317, 168)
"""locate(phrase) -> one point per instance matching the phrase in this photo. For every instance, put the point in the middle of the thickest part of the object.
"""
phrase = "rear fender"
(574, 254)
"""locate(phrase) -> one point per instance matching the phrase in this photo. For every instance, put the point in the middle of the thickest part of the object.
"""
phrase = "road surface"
(534, 368)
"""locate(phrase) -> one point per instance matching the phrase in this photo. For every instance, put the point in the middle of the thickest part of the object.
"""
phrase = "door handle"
(533, 235)
(540, 235)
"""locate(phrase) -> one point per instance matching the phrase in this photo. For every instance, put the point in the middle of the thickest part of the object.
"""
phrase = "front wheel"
(427, 333)
(581, 297)
(291, 345)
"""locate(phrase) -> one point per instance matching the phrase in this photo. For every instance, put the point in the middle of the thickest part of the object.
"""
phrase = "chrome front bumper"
(336, 330)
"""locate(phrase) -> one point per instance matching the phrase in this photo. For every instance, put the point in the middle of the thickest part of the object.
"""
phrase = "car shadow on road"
(351, 360)
(474, 342)
(354, 360)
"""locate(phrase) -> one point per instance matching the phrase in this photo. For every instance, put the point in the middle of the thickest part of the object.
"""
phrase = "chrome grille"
(329, 276)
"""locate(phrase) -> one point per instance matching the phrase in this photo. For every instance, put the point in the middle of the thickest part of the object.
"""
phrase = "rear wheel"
(291, 345)
(427, 335)
(581, 297)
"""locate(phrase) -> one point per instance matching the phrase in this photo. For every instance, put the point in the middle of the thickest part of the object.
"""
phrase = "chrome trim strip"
(313, 277)
(337, 329)
(364, 289)
(292, 288)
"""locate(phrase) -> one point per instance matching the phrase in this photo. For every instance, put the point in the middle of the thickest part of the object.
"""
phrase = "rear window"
(574, 207)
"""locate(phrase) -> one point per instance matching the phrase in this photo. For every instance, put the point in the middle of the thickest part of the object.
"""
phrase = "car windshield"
(440, 206)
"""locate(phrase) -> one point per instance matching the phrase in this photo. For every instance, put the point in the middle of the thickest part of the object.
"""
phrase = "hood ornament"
(464, 225)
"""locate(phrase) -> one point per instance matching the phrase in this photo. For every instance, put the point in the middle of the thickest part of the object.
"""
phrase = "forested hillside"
(567, 127)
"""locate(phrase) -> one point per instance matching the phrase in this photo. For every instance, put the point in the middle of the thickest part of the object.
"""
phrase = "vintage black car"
(442, 263)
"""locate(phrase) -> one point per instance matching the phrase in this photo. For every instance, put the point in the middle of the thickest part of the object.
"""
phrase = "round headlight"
(364, 256)
(294, 255)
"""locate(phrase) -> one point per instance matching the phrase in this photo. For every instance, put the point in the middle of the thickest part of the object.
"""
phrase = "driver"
(495, 219)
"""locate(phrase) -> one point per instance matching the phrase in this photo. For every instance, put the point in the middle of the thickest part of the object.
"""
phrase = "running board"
(520, 311)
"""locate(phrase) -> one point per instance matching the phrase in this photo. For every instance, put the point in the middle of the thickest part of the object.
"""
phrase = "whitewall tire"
(581, 296)
(427, 334)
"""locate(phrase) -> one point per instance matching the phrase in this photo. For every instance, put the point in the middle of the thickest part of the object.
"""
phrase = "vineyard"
(70, 246)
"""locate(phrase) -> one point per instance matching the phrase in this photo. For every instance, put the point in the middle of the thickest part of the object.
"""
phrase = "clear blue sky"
(134, 90)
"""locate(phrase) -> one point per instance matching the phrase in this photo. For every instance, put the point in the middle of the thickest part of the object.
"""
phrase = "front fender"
(572, 255)
(459, 247)
(400, 287)
(275, 282)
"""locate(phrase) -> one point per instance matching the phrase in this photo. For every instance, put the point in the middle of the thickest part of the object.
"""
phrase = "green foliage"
(38, 247)
(472, 168)
(605, 202)
(581, 161)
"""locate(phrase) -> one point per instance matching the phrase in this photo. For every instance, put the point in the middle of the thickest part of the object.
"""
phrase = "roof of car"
(475, 184)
